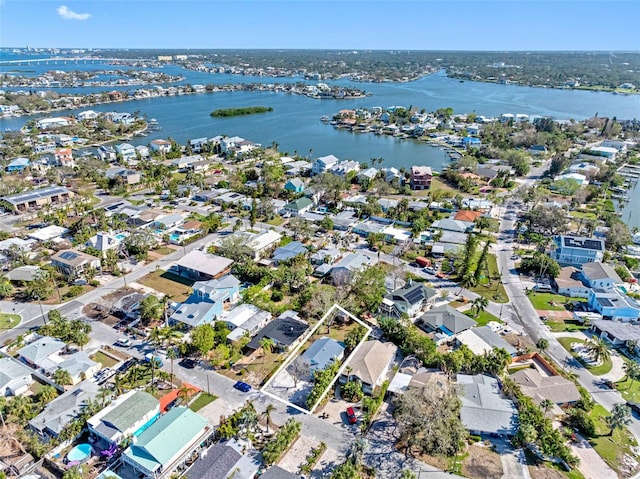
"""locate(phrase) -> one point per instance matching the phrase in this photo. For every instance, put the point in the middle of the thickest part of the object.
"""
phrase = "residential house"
(23, 273)
(325, 256)
(104, 242)
(262, 243)
(454, 226)
(226, 460)
(288, 251)
(445, 321)
(298, 207)
(17, 165)
(87, 115)
(207, 301)
(143, 151)
(555, 388)
(245, 319)
(162, 447)
(276, 472)
(202, 266)
(42, 354)
(577, 250)
(600, 275)
(366, 228)
(64, 157)
(410, 300)
(619, 334)
(587, 169)
(367, 175)
(15, 377)
(161, 146)
(421, 177)
(107, 153)
(342, 271)
(56, 122)
(126, 176)
(612, 304)
(295, 185)
(324, 163)
(484, 410)
(483, 339)
(322, 353)
(126, 151)
(79, 366)
(343, 168)
(466, 216)
(73, 263)
(285, 331)
(48, 233)
(344, 220)
(126, 416)
(568, 283)
(370, 364)
(60, 412)
(197, 145)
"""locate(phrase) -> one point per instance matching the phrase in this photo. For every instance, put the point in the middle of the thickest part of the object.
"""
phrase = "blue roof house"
(18, 165)
(471, 142)
(206, 303)
(577, 250)
(322, 353)
(288, 251)
(295, 185)
(614, 305)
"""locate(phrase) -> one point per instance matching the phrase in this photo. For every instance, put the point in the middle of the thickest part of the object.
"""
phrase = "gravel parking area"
(297, 454)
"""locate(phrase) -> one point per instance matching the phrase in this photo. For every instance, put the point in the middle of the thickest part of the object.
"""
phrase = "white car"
(123, 342)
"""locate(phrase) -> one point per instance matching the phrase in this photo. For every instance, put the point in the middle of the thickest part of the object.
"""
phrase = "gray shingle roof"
(483, 407)
(446, 317)
(128, 412)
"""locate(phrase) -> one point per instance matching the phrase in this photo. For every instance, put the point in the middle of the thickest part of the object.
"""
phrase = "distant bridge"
(66, 60)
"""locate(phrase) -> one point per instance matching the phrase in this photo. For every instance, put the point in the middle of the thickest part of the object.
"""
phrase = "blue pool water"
(79, 453)
(623, 289)
(174, 237)
(121, 236)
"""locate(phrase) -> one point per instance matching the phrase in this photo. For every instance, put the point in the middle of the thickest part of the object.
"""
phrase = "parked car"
(351, 415)
(241, 386)
(126, 365)
(188, 363)
(123, 342)
(634, 406)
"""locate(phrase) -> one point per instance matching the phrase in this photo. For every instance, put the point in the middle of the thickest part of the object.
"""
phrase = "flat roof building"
(31, 200)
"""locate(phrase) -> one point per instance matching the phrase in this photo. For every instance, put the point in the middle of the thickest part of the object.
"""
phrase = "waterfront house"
(343, 168)
(63, 410)
(50, 123)
(87, 115)
(107, 153)
(160, 146)
(166, 443)
(73, 263)
(484, 410)
(324, 163)
(600, 275)
(142, 151)
(322, 353)
(126, 416)
(294, 185)
(126, 151)
(577, 250)
(18, 165)
(125, 176)
(421, 177)
(370, 364)
(64, 157)
(15, 377)
(612, 304)
(367, 175)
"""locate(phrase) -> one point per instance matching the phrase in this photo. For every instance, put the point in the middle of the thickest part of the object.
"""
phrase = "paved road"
(528, 319)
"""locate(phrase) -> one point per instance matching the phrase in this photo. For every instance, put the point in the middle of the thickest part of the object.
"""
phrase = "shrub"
(277, 296)
(75, 290)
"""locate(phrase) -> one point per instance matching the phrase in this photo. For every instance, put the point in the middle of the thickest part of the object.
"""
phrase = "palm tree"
(62, 377)
(47, 394)
(267, 414)
(267, 345)
(542, 344)
(103, 395)
(467, 282)
(620, 417)
(599, 348)
(547, 405)
(184, 392)
(480, 304)
(358, 448)
(632, 370)
(172, 354)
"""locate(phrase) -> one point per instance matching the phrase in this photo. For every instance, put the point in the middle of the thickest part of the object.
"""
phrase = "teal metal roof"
(159, 444)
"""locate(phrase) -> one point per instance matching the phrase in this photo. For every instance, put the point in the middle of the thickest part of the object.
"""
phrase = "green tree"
(632, 370)
(368, 289)
(599, 349)
(620, 416)
(480, 304)
(542, 344)
(47, 394)
(150, 309)
(40, 288)
(62, 377)
(267, 415)
(203, 338)
(267, 345)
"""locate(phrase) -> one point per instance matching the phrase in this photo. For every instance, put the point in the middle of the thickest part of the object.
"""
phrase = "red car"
(351, 416)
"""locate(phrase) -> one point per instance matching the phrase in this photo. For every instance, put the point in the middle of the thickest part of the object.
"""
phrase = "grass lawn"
(610, 448)
(201, 401)
(8, 321)
(164, 250)
(603, 368)
(277, 221)
(493, 291)
(483, 318)
(549, 301)
(177, 287)
(629, 389)
(106, 361)
(583, 214)
(568, 325)
(437, 184)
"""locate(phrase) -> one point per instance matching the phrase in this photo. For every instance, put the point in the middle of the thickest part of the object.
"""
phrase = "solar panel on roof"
(414, 295)
(69, 255)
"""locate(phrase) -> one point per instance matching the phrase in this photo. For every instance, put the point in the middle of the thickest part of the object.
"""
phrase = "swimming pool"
(121, 236)
(79, 453)
(174, 237)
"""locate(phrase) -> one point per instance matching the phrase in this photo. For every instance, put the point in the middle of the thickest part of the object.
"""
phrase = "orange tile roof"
(173, 394)
(467, 215)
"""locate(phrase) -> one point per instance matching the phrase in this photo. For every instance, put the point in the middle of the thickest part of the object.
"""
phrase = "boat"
(636, 238)
(325, 119)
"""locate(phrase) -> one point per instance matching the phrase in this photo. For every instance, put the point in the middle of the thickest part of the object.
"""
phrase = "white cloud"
(67, 14)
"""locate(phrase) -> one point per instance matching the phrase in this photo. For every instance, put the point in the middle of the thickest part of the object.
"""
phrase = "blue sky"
(340, 24)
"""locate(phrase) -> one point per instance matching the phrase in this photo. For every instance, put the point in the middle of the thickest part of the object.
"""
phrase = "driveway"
(592, 466)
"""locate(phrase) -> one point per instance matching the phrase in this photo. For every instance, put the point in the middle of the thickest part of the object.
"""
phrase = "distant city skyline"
(484, 25)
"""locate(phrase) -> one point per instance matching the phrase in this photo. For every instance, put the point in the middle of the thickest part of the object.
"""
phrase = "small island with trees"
(249, 110)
